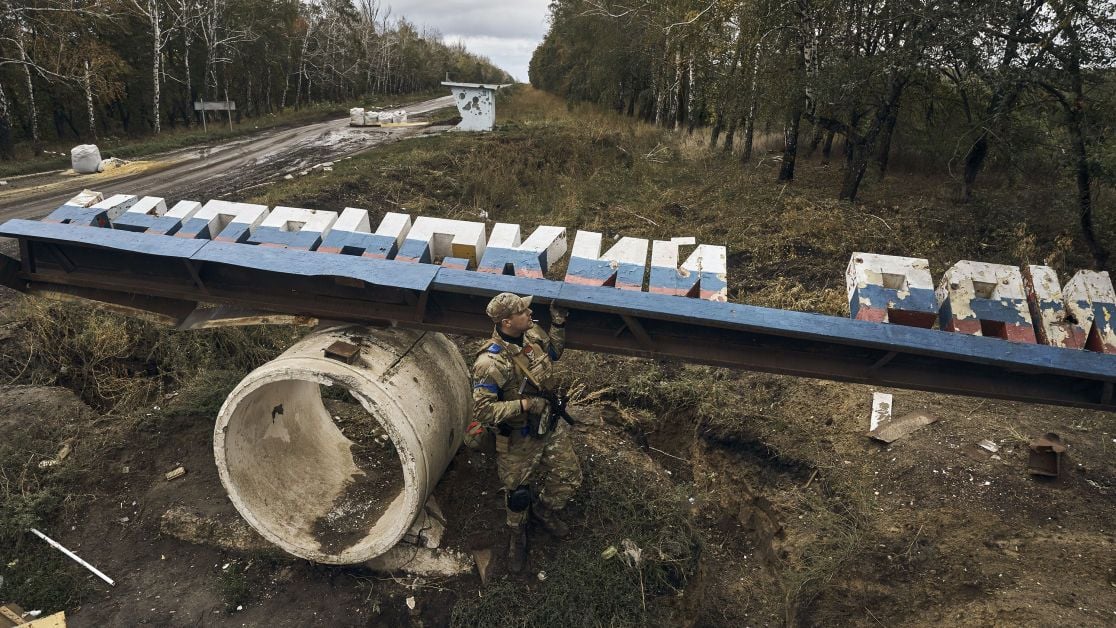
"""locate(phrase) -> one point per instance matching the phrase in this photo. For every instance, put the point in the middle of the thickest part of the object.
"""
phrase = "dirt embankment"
(842, 530)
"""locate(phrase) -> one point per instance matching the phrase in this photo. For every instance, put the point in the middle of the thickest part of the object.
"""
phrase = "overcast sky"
(506, 32)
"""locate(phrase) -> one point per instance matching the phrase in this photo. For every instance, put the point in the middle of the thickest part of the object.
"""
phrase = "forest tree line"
(82, 69)
(963, 83)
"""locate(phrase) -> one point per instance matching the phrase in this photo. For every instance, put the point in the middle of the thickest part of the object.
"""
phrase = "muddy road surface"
(211, 171)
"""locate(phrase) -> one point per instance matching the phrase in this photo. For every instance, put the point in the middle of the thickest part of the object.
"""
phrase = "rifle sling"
(520, 364)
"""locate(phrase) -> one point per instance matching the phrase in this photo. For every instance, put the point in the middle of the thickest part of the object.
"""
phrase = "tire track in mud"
(201, 173)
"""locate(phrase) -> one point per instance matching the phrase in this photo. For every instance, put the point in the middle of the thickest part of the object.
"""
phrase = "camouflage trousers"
(548, 465)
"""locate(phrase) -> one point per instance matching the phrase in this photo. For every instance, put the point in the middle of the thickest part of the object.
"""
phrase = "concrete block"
(101, 213)
(431, 239)
(1048, 309)
(456, 263)
(148, 205)
(223, 221)
(891, 289)
(704, 274)
(150, 215)
(623, 266)
(116, 204)
(476, 103)
(85, 198)
(423, 561)
(507, 255)
(1091, 302)
(351, 234)
(294, 228)
(984, 299)
(78, 215)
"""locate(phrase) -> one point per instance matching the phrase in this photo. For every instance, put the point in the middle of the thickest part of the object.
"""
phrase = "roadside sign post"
(227, 106)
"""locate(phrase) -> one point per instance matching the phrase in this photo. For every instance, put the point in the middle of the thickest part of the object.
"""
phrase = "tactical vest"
(530, 364)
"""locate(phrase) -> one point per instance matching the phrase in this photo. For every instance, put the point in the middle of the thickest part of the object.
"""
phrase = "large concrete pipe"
(309, 488)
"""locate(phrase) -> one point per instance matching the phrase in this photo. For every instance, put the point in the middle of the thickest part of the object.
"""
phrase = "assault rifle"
(556, 401)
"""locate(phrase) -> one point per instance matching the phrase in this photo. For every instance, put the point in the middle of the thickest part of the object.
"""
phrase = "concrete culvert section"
(343, 490)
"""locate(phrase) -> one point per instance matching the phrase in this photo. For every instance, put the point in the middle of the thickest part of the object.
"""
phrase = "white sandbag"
(399, 116)
(356, 116)
(85, 159)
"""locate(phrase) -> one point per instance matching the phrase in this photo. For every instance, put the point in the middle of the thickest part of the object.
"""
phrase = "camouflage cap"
(505, 304)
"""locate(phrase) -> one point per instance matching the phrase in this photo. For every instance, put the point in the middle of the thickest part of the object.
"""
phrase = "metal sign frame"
(170, 277)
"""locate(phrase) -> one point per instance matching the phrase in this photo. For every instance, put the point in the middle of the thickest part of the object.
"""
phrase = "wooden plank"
(11, 615)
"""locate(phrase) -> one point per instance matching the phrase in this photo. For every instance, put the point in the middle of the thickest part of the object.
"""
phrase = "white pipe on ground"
(292, 473)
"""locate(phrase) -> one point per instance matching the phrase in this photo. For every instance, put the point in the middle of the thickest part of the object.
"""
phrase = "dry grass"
(117, 364)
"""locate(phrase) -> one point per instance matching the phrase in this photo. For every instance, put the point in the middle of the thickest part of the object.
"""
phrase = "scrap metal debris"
(1046, 455)
(175, 473)
(343, 352)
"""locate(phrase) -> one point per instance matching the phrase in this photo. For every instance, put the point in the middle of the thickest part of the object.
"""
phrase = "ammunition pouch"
(477, 437)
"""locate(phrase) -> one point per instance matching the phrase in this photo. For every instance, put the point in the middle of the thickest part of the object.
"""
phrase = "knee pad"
(520, 499)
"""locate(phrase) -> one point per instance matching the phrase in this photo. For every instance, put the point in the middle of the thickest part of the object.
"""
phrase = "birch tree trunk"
(32, 110)
(753, 104)
(683, 101)
(156, 59)
(89, 102)
(302, 64)
(187, 39)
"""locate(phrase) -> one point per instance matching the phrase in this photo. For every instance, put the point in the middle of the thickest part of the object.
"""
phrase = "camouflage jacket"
(497, 381)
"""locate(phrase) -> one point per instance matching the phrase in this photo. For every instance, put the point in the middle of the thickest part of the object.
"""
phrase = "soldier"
(534, 454)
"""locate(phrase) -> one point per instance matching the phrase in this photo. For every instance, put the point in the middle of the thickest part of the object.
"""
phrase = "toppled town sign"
(459, 244)
(981, 299)
(1043, 343)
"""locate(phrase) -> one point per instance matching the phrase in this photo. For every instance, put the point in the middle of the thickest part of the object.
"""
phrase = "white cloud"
(505, 32)
(511, 54)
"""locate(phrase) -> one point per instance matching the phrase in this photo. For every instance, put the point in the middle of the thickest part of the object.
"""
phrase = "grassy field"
(584, 168)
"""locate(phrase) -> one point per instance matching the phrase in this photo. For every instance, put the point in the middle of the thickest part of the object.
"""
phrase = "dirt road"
(212, 171)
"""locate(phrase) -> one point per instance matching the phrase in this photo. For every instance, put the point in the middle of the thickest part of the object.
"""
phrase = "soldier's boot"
(550, 521)
(517, 549)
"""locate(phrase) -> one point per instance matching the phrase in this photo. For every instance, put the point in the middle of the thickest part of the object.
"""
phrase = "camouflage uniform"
(545, 463)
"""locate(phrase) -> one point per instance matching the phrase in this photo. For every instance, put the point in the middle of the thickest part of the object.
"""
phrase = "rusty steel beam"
(171, 276)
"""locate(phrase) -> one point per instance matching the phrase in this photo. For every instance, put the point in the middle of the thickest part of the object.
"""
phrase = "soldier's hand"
(535, 405)
(558, 314)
